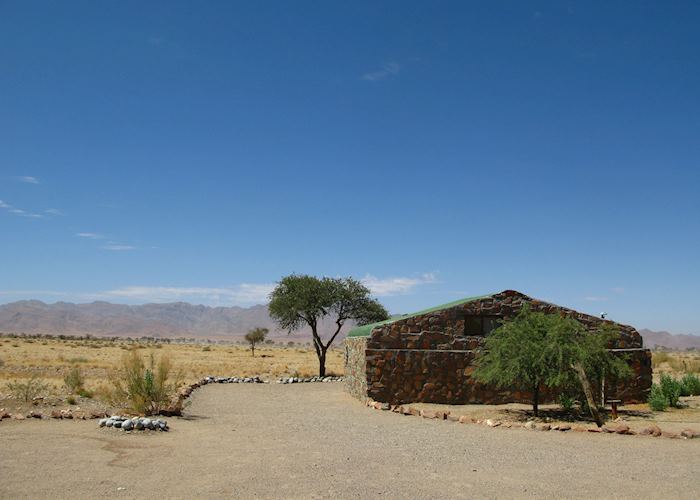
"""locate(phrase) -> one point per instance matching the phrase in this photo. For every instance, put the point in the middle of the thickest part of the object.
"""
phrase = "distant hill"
(680, 342)
(177, 319)
(181, 319)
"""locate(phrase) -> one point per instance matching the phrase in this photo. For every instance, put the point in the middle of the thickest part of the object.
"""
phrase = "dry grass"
(52, 359)
(675, 363)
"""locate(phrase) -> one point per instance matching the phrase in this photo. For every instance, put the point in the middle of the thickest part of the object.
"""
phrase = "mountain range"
(181, 319)
(171, 320)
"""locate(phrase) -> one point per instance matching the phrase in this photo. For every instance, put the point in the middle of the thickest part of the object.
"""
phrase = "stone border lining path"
(614, 428)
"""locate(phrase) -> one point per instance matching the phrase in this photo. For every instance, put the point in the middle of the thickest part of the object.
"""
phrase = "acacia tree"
(301, 300)
(256, 336)
(536, 350)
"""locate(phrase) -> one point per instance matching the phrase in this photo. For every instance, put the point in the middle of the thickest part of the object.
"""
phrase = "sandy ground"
(314, 441)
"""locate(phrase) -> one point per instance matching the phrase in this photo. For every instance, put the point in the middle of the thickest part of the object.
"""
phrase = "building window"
(480, 325)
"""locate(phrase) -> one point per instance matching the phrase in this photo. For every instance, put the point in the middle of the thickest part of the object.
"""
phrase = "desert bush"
(84, 393)
(74, 380)
(71, 400)
(690, 385)
(566, 402)
(27, 390)
(146, 387)
(671, 388)
(206, 348)
(657, 399)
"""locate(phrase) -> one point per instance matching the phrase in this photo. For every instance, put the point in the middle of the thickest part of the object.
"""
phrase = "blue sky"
(200, 151)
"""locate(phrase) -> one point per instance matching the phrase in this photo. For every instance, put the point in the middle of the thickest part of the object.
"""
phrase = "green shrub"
(690, 385)
(657, 399)
(84, 393)
(671, 388)
(74, 380)
(145, 387)
(27, 390)
(566, 402)
(71, 400)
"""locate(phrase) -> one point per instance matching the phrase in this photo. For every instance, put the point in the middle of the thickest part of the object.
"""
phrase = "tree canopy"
(303, 300)
(536, 351)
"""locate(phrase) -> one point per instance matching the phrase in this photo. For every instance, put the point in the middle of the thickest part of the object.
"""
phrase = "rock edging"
(135, 423)
(611, 428)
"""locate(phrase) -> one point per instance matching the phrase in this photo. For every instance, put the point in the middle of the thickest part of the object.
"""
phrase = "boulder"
(616, 429)
(652, 430)
(690, 434)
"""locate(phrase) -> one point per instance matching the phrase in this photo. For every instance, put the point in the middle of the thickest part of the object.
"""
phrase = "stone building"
(428, 356)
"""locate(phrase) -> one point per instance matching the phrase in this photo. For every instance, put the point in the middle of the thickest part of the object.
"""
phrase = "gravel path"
(314, 441)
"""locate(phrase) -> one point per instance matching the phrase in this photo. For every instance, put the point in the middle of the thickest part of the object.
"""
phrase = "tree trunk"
(536, 399)
(322, 363)
(252, 348)
(588, 391)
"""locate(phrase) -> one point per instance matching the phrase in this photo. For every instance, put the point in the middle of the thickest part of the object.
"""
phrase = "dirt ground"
(315, 441)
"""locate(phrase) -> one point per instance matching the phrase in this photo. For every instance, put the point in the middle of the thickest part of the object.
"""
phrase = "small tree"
(301, 300)
(536, 350)
(256, 336)
(517, 353)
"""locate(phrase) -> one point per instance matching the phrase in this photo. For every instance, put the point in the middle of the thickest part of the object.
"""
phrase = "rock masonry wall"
(427, 358)
(356, 367)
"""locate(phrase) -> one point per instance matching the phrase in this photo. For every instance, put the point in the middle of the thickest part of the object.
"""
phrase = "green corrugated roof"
(365, 330)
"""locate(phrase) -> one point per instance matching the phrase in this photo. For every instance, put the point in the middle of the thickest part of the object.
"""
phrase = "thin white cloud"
(595, 298)
(243, 294)
(117, 247)
(53, 211)
(396, 286)
(618, 289)
(28, 179)
(90, 236)
(19, 212)
(389, 69)
(24, 213)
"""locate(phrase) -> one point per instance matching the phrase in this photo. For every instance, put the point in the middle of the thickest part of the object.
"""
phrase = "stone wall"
(427, 358)
(356, 367)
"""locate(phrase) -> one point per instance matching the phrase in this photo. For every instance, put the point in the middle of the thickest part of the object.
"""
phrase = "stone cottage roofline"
(366, 330)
